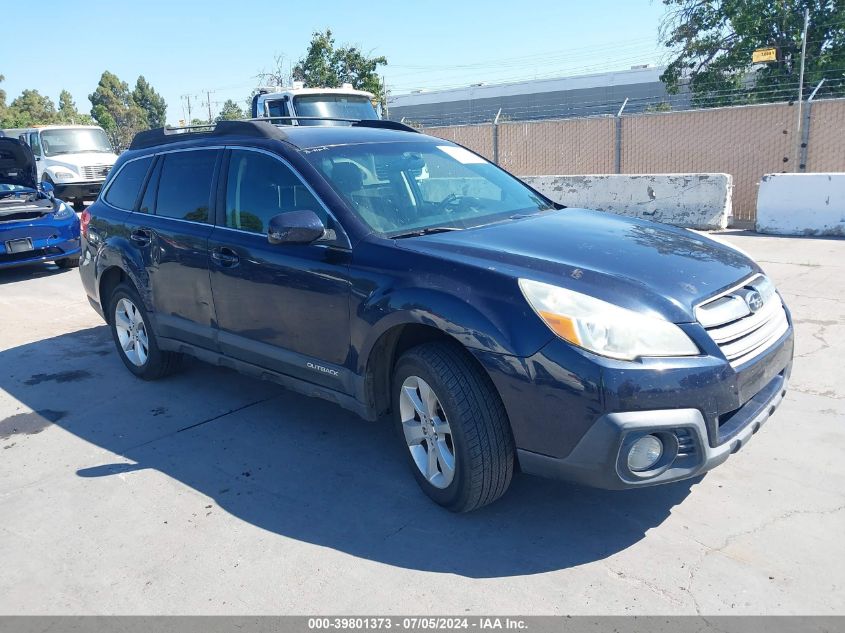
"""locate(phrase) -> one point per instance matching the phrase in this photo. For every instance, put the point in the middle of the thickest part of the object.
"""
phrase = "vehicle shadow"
(31, 271)
(303, 468)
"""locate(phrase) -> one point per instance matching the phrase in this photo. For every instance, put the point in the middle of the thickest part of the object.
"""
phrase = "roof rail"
(165, 135)
(261, 127)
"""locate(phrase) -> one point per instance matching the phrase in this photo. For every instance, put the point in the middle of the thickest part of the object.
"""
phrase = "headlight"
(64, 175)
(604, 328)
(64, 213)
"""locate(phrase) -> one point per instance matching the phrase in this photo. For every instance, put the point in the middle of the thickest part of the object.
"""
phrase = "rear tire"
(464, 423)
(68, 262)
(134, 337)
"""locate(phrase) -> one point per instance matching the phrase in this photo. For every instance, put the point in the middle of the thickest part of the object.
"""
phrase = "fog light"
(645, 453)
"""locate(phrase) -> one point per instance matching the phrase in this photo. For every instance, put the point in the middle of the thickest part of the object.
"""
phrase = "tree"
(277, 76)
(2, 103)
(31, 108)
(327, 66)
(712, 42)
(116, 111)
(68, 113)
(151, 102)
(230, 111)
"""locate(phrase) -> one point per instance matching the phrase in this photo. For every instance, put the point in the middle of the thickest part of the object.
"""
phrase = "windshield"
(74, 141)
(333, 105)
(398, 188)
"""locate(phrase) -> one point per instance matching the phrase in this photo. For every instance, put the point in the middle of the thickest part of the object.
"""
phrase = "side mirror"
(47, 187)
(295, 227)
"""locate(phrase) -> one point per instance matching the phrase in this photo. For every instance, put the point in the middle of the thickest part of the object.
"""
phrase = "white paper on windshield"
(461, 155)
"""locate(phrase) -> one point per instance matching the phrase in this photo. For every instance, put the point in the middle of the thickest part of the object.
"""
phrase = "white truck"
(75, 159)
(298, 105)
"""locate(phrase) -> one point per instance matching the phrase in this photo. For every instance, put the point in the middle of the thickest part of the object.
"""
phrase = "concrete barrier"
(695, 201)
(802, 204)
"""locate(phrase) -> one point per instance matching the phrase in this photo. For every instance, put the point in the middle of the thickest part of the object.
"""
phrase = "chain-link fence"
(745, 141)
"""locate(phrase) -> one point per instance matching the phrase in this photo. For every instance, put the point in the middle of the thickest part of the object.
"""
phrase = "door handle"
(142, 237)
(225, 257)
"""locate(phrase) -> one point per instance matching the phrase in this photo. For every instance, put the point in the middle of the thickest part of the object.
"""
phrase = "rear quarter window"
(124, 189)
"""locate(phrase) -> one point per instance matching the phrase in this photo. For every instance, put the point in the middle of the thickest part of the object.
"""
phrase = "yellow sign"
(763, 55)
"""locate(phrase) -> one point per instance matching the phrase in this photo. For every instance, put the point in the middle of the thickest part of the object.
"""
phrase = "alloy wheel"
(131, 332)
(427, 431)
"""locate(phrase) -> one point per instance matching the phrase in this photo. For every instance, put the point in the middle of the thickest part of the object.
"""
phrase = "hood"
(633, 263)
(17, 164)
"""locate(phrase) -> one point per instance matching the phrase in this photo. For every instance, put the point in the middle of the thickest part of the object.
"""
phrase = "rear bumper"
(51, 241)
(600, 458)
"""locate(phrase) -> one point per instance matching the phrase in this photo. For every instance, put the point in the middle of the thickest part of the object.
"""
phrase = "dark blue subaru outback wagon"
(399, 274)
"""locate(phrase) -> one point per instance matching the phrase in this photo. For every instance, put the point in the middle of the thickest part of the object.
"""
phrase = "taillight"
(84, 221)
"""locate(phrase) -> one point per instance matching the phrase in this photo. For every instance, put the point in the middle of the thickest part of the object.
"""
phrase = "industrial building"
(563, 97)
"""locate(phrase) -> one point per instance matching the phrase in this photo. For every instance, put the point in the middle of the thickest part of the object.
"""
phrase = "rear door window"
(123, 191)
(184, 187)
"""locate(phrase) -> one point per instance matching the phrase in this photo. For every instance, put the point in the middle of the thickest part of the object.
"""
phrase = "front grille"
(745, 321)
(95, 172)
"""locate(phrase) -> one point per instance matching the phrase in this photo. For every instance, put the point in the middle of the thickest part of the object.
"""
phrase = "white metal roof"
(531, 86)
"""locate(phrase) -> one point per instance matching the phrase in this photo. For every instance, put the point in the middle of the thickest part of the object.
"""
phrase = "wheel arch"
(389, 347)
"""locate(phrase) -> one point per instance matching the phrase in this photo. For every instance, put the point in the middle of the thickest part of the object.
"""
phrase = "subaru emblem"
(754, 301)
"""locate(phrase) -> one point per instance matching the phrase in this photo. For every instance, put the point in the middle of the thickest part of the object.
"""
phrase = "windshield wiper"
(428, 231)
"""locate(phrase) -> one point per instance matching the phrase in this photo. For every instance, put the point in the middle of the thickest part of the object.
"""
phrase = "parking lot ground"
(210, 492)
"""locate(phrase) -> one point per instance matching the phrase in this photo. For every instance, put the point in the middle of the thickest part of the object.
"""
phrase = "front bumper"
(73, 190)
(574, 415)
(600, 458)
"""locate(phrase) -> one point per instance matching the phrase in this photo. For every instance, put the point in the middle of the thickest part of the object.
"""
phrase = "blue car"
(34, 225)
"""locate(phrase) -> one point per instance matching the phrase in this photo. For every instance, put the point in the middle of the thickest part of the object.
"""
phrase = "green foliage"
(116, 111)
(119, 111)
(230, 111)
(2, 99)
(30, 108)
(712, 42)
(663, 106)
(151, 102)
(328, 66)
(68, 113)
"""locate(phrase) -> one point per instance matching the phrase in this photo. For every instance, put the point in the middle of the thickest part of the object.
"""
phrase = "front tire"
(134, 336)
(454, 426)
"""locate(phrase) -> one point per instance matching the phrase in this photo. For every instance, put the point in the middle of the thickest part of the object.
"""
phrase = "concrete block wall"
(695, 201)
(802, 204)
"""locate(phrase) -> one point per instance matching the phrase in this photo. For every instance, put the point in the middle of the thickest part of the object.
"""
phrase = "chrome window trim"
(347, 244)
(104, 191)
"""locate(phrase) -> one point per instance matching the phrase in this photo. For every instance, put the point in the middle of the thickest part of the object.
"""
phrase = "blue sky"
(184, 47)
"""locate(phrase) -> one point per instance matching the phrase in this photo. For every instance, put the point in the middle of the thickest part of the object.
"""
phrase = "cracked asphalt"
(214, 493)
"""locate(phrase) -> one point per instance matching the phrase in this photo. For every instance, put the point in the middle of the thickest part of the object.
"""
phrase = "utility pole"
(384, 96)
(208, 100)
(188, 97)
(801, 90)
